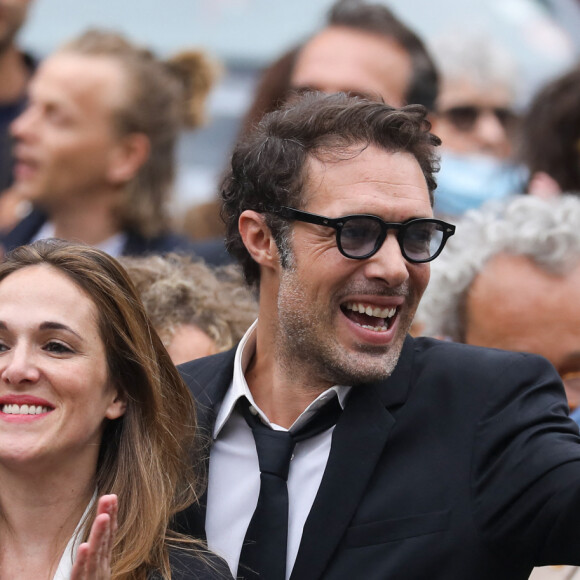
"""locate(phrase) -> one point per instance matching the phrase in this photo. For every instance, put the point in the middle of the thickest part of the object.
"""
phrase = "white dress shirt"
(234, 474)
(112, 246)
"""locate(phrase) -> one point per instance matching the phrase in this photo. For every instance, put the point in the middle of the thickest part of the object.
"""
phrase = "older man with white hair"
(510, 279)
(475, 117)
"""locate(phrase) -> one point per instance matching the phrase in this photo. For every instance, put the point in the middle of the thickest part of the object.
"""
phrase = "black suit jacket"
(463, 464)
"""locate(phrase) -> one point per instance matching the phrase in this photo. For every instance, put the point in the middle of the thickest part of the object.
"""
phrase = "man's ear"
(127, 157)
(258, 239)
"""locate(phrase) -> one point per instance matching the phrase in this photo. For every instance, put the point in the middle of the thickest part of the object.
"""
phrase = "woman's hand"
(93, 561)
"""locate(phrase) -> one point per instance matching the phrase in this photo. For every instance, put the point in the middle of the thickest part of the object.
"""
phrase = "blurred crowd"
(88, 140)
(88, 137)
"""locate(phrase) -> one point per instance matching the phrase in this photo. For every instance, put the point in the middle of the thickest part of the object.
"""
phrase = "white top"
(65, 565)
(112, 246)
(234, 474)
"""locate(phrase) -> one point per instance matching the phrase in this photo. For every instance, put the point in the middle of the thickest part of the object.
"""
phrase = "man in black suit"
(446, 461)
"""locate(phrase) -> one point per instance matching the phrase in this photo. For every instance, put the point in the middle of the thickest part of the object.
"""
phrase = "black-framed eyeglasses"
(361, 236)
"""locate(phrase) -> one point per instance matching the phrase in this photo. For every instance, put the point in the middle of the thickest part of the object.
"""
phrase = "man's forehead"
(515, 304)
(360, 172)
(346, 59)
(456, 92)
(517, 286)
(81, 78)
(362, 158)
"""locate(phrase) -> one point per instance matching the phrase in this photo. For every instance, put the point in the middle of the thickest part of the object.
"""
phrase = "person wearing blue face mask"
(475, 120)
(466, 181)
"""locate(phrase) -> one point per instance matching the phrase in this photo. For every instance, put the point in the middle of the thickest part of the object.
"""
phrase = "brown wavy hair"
(147, 455)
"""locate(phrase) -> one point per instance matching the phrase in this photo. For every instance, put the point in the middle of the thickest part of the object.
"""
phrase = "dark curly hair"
(550, 140)
(268, 166)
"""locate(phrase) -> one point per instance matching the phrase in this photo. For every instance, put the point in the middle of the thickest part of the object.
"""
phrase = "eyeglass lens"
(361, 236)
(465, 117)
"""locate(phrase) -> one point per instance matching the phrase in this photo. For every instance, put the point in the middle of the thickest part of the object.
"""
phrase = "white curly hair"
(545, 230)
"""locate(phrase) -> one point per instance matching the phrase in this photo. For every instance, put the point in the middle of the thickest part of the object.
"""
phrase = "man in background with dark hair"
(362, 49)
(365, 49)
(342, 448)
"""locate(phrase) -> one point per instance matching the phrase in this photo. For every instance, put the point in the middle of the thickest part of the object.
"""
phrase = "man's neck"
(282, 391)
(14, 74)
(91, 223)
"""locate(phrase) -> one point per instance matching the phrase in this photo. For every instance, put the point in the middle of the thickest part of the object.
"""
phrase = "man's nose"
(388, 264)
(22, 126)
(491, 133)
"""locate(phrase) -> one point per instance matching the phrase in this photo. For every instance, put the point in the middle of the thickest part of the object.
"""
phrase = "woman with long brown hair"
(90, 405)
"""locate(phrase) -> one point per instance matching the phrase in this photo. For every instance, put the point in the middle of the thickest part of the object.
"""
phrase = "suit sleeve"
(526, 466)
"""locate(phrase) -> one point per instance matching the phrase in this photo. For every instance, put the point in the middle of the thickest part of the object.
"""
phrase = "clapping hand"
(93, 561)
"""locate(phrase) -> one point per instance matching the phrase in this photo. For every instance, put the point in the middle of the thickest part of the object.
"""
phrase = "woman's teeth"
(24, 409)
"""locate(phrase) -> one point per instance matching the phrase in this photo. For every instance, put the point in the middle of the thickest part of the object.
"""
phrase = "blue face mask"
(467, 181)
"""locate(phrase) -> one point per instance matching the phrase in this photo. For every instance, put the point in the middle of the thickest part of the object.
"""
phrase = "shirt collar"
(112, 246)
(239, 388)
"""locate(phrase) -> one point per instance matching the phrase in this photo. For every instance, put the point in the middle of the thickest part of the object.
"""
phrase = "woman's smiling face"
(55, 389)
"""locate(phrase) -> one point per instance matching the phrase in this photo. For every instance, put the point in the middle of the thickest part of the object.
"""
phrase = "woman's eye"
(57, 348)
(3, 347)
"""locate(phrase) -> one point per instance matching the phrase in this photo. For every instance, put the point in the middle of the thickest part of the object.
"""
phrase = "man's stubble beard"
(306, 343)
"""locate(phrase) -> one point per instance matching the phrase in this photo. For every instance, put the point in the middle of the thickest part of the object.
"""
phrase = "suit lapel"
(357, 444)
(208, 380)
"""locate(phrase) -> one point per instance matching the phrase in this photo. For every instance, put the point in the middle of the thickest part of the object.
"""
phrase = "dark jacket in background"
(214, 253)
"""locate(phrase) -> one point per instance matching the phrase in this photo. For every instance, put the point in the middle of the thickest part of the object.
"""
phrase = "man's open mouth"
(370, 316)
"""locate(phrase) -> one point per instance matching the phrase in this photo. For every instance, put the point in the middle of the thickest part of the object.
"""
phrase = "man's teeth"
(385, 314)
(370, 311)
(24, 409)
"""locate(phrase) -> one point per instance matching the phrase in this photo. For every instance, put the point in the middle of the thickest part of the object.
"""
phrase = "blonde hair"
(161, 98)
(175, 290)
(147, 455)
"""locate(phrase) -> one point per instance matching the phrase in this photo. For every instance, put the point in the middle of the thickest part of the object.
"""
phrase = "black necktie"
(263, 555)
